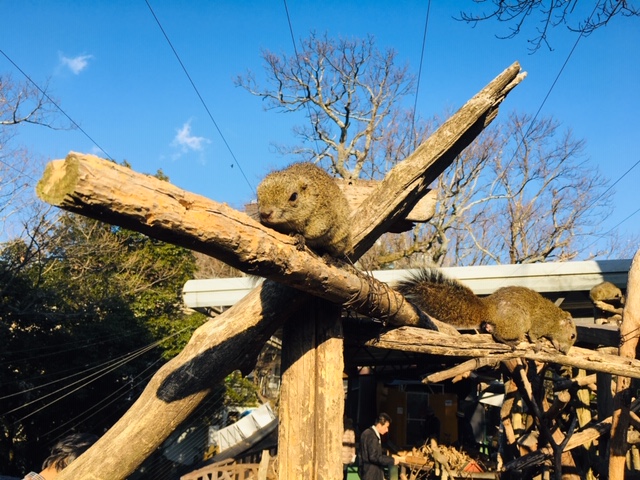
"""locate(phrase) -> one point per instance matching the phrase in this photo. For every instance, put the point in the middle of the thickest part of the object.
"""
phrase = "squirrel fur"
(606, 291)
(305, 201)
(608, 302)
(510, 314)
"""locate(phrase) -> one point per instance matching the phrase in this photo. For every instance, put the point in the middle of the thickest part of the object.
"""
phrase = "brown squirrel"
(511, 314)
(305, 201)
(608, 303)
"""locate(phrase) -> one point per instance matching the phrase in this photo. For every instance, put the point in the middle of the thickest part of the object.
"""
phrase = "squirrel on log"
(305, 201)
(511, 314)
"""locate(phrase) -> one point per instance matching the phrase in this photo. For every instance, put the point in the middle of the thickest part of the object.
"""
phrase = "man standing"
(371, 458)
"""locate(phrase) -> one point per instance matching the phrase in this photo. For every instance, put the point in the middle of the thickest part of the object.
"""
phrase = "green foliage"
(240, 391)
(81, 310)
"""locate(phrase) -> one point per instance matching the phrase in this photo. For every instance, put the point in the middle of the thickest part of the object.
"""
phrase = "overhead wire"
(55, 104)
(83, 382)
(141, 377)
(104, 369)
(295, 51)
(415, 103)
(55, 349)
(195, 88)
(84, 371)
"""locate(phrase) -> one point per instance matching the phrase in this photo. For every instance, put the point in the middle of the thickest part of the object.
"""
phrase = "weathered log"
(163, 211)
(629, 334)
(419, 340)
(406, 183)
(158, 410)
(223, 344)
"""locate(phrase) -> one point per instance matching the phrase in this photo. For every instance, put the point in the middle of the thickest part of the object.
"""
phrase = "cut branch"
(163, 211)
(409, 339)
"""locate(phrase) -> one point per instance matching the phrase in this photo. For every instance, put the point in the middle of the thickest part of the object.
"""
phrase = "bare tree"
(551, 13)
(350, 91)
(20, 103)
(550, 197)
(521, 193)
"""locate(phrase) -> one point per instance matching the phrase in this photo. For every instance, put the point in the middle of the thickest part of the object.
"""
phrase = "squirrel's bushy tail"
(443, 298)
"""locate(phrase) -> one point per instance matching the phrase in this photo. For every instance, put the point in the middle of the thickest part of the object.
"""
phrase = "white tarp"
(244, 430)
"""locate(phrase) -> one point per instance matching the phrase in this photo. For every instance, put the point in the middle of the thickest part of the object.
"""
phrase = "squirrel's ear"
(567, 321)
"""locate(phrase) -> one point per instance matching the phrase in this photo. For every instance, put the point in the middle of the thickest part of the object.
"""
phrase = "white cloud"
(75, 64)
(185, 140)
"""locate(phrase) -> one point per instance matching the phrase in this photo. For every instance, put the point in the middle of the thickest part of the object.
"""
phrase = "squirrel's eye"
(293, 197)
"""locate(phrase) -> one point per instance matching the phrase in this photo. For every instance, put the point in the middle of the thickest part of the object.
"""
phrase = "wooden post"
(312, 395)
(629, 334)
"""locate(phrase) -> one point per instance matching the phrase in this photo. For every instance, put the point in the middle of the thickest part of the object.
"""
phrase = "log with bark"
(101, 190)
(482, 346)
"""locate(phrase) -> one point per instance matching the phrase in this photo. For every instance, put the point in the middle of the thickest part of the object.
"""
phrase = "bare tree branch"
(550, 14)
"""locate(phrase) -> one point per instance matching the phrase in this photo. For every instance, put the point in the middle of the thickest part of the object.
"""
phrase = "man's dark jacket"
(371, 458)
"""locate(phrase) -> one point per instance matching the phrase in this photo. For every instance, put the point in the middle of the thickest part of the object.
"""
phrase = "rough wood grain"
(312, 394)
(164, 211)
(629, 334)
(409, 339)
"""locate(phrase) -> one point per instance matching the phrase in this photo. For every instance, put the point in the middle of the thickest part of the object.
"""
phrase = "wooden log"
(223, 344)
(629, 334)
(148, 422)
(163, 211)
(419, 340)
(407, 182)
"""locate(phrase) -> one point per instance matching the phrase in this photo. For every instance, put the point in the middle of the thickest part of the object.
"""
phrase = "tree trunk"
(629, 332)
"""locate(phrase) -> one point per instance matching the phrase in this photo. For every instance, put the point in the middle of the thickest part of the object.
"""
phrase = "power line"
(115, 396)
(45, 95)
(186, 72)
(295, 51)
(415, 103)
(620, 178)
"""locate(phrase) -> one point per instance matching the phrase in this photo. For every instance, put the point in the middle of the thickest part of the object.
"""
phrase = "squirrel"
(608, 303)
(305, 201)
(511, 314)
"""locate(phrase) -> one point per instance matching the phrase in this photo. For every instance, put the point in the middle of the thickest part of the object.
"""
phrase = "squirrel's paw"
(300, 241)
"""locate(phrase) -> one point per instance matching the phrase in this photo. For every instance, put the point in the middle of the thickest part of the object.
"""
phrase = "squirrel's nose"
(265, 214)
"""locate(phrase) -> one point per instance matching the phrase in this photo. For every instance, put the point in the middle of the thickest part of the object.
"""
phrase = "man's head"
(382, 423)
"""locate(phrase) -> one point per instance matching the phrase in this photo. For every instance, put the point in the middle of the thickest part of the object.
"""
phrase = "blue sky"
(111, 69)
